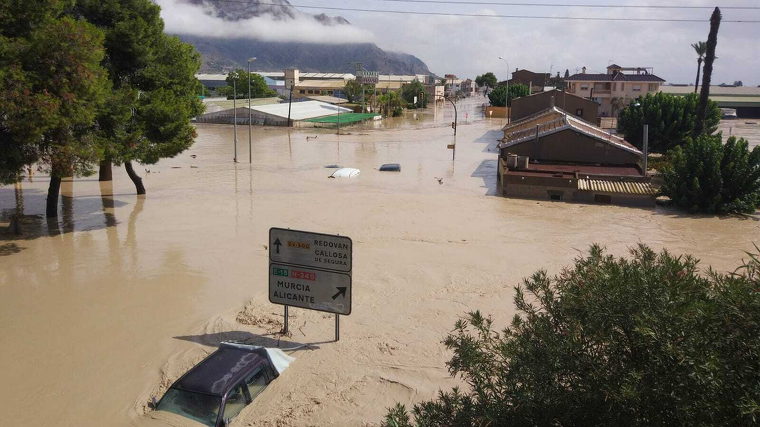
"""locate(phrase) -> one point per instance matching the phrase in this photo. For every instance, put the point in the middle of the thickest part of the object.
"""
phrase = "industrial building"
(744, 99)
(275, 114)
(553, 155)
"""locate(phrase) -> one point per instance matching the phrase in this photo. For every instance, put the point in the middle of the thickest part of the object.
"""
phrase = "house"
(535, 81)
(306, 88)
(614, 90)
(583, 108)
(468, 87)
(453, 84)
(274, 114)
(553, 155)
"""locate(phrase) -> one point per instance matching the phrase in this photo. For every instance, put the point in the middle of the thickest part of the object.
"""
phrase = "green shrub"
(643, 341)
(671, 120)
(496, 96)
(707, 176)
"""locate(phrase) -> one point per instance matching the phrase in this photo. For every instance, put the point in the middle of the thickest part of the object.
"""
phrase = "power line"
(482, 15)
(580, 5)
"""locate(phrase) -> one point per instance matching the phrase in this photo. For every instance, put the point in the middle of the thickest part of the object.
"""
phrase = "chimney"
(584, 70)
(551, 102)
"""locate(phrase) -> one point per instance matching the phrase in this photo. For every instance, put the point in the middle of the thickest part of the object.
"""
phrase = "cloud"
(186, 19)
(468, 46)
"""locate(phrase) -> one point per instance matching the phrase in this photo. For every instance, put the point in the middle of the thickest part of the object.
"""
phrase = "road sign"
(312, 250)
(309, 288)
(310, 270)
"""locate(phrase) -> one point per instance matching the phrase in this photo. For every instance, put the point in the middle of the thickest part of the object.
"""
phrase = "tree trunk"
(135, 178)
(699, 68)
(52, 198)
(704, 98)
(106, 172)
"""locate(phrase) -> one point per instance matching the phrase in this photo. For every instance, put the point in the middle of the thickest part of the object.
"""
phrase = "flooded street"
(106, 308)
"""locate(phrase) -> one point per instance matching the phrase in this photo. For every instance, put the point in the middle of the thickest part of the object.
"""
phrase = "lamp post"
(506, 97)
(250, 153)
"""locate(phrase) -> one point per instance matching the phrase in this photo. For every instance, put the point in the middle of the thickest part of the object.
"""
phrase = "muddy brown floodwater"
(105, 308)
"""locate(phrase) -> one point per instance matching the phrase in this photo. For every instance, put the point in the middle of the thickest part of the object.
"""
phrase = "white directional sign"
(307, 288)
(315, 250)
(310, 270)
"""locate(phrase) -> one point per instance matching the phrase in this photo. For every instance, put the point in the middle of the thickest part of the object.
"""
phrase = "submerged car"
(215, 391)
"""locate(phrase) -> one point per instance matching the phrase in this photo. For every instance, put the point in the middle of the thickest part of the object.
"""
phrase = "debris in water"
(333, 167)
(440, 180)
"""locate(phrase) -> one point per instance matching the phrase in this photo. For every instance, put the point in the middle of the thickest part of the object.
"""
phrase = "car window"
(256, 382)
(203, 408)
(235, 402)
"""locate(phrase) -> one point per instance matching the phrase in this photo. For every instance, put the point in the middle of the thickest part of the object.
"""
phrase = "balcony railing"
(602, 92)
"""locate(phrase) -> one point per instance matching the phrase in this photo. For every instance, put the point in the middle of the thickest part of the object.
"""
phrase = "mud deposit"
(105, 308)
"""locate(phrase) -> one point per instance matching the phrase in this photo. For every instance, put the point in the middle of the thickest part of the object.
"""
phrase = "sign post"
(311, 271)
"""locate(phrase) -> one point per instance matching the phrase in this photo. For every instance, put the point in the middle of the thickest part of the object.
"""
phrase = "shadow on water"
(273, 340)
(487, 170)
(77, 213)
(491, 139)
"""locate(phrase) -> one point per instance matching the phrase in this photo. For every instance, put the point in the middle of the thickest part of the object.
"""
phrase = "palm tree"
(701, 49)
(704, 95)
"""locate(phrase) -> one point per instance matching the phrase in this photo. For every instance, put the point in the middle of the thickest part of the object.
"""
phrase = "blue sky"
(468, 46)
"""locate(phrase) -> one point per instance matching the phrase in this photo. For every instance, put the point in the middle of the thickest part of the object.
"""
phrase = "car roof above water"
(222, 369)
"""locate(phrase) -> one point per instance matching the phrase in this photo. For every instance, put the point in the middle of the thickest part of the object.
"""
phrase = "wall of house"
(527, 105)
(571, 146)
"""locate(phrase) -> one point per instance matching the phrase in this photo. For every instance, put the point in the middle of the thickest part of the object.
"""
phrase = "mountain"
(224, 54)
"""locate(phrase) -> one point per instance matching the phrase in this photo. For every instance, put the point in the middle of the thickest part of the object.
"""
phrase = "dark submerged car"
(217, 389)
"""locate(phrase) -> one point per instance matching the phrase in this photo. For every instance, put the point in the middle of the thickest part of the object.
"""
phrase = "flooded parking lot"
(105, 308)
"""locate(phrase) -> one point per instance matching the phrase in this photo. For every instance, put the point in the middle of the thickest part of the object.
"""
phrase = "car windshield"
(200, 407)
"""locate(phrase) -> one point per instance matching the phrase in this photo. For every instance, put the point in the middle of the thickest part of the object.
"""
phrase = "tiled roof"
(618, 77)
(552, 124)
(617, 187)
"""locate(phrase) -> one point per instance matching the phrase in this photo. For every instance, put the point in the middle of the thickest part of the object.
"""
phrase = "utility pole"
(250, 152)
(234, 109)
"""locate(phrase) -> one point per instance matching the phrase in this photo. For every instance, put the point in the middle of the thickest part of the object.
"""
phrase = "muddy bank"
(106, 307)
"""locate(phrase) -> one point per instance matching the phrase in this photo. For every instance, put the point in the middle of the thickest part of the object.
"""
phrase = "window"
(622, 86)
(203, 408)
(614, 86)
(302, 91)
(637, 88)
(652, 87)
(579, 112)
(555, 197)
(236, 401)
(256, 383)
(584, 87)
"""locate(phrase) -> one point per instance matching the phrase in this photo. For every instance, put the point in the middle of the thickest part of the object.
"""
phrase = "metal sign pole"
(285, 329)
(337, 327)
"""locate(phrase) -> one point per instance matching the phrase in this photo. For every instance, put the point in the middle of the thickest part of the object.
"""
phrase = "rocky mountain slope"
(223, 54)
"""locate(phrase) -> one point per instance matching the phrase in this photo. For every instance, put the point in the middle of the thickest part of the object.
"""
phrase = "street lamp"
(506, 97)
(250, 153)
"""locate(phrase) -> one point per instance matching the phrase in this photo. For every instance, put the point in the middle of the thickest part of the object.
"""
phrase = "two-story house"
(615, 90)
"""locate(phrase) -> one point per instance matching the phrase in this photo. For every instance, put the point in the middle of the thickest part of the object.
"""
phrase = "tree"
(707, 176)
(671, 120)
(700, 48)
(415, 89)
(391, 102)
(353, 90)
(738, 83)
(704, 99)
(259, 88)
(567, 73)
(154, 85)
(496, 96)
(53, 87)
(640, 341)
(488, 79)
